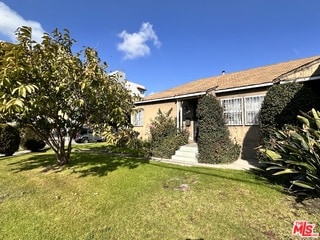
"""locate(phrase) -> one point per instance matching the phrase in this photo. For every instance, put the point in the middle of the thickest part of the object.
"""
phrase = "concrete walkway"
(239, 164)
(186, 156)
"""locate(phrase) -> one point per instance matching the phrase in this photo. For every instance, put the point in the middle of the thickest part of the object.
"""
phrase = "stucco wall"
(246, 136)
(150, 112)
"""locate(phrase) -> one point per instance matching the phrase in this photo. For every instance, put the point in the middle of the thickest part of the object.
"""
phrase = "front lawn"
(104, 194)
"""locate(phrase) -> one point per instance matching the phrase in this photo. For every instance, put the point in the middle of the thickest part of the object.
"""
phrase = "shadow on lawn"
(33, 162)
(84, 163)
(253, 179)
(97, 164)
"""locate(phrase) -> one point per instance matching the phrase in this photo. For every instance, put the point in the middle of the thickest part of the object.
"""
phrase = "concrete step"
(186, 153)
(187, 148)
(184, 159)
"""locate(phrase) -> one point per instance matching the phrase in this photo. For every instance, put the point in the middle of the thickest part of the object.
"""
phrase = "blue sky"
(162, 44)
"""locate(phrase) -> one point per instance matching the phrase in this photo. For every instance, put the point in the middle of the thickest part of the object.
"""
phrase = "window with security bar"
(232, 111)
(137, 118)
(252, 106)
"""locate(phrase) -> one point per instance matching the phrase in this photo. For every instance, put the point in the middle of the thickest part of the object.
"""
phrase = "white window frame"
(137, 118)
(252, 106)
(233, 113)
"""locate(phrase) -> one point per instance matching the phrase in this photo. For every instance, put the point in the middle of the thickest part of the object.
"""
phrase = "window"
(232, 111)
(137, 118)
(252, 106)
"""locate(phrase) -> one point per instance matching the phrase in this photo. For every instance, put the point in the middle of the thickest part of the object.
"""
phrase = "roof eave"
(284, 75)
(204, 92)
(299, 80)
(244, 87)
(182, 96)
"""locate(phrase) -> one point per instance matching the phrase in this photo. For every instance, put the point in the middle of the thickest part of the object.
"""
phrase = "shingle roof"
(254, 76)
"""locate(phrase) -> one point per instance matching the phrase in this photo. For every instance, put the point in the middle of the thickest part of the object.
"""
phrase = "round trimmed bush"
(34, 145)
(214, 143)
(30, 141)
(9, 139)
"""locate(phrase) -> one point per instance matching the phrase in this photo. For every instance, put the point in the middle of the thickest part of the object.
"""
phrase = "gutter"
(173, 98)
(205, 92)
(244, 88)
(298, 80)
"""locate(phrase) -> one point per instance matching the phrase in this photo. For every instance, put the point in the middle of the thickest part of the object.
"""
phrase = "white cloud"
(134, 45)
(296, 51)
(10, 21)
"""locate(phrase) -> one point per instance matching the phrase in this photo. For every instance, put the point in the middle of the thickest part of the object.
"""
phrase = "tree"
(46, 87)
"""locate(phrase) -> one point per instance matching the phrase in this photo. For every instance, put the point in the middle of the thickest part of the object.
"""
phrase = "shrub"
(165, 137)
(34, 145)
(121, 137)
(9, 139)
(142, 147)
(282, 104)
(214, 142)
(295, 154)
(31, 141)
(127, 137)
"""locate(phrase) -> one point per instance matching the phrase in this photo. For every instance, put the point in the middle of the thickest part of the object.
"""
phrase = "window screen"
(137, 118)
(232, 111)
(252, 106)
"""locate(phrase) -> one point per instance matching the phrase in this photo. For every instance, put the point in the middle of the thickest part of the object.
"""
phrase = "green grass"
(106, 195)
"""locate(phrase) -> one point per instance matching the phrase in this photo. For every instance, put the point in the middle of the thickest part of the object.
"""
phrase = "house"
(134, 88)
(240, 93)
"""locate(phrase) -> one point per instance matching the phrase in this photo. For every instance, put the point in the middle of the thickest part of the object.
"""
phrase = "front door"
(190, 122)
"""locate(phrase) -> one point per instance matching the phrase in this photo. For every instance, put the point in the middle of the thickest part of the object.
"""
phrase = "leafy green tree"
(46, 87)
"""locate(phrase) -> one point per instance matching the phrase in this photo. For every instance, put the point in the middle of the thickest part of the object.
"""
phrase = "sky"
(163, 44)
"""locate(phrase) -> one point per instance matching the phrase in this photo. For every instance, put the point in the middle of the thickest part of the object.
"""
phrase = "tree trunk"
(57, 144)
(62, 158)
(62, 154)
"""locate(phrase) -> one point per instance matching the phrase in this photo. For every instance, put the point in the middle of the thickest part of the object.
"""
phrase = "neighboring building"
(241, 95)
(135, 89)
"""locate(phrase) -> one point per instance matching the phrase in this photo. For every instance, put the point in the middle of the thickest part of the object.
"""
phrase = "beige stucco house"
(240, 93)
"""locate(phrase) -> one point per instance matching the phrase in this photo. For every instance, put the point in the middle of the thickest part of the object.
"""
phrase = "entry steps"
(187, 154)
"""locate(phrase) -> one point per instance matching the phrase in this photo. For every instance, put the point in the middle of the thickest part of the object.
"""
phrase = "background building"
(135, 88)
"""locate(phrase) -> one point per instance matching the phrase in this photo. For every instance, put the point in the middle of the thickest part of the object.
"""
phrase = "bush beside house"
(9, 139)
(290, 152)
(214, 143)
(165, 137)
(30, 141)
(282, 104)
